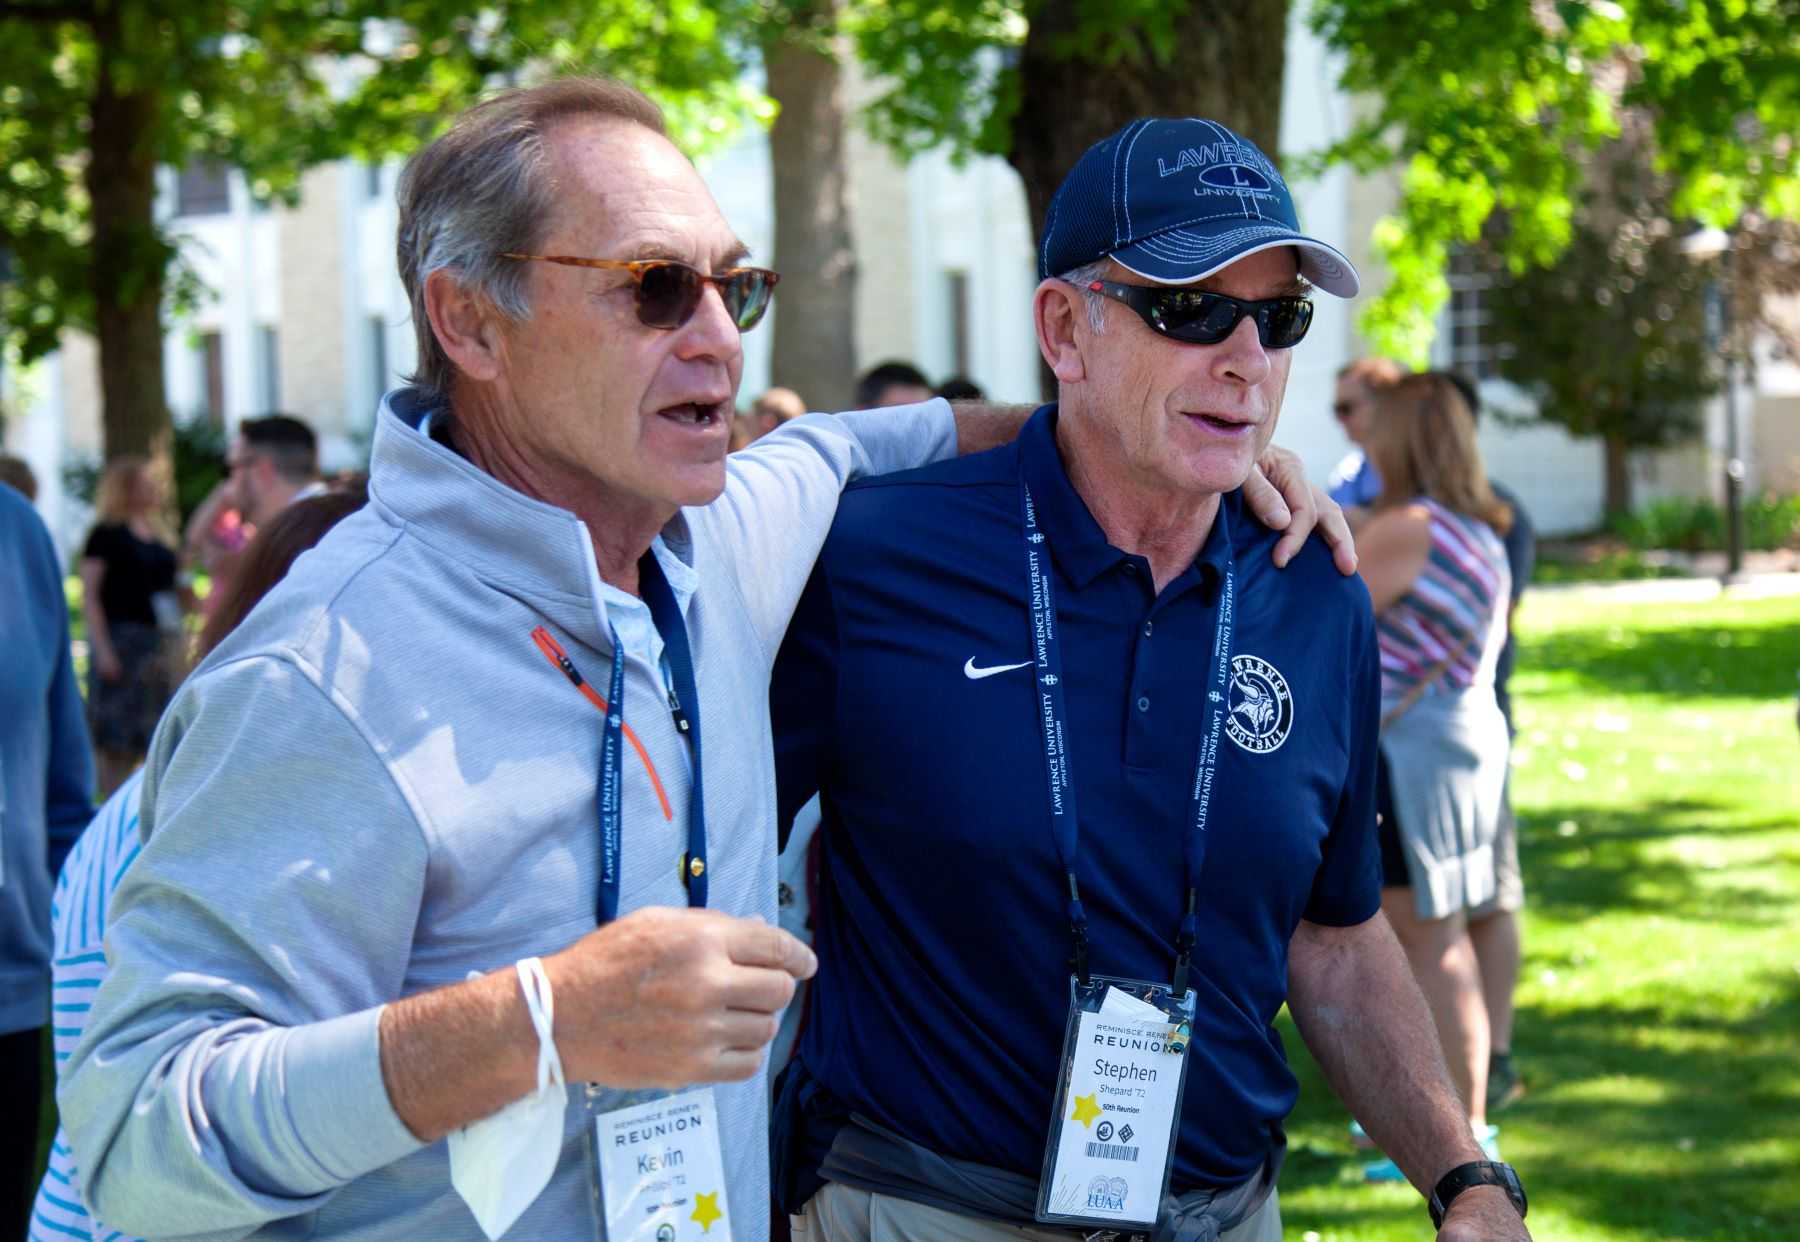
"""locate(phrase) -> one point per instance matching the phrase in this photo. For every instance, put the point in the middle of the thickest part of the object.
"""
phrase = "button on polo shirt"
(905, 695)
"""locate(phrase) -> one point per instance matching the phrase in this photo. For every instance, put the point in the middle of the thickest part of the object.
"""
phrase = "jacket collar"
(520, 546)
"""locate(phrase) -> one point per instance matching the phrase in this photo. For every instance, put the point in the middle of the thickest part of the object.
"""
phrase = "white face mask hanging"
(500, 1164)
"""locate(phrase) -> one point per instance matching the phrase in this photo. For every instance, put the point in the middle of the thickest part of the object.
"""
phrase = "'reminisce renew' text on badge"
(661, 1175)
(1118, 1104)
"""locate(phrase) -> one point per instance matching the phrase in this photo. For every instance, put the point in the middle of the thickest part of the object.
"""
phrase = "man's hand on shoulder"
(1483, 1214)
(984, 425)
(1279, 494)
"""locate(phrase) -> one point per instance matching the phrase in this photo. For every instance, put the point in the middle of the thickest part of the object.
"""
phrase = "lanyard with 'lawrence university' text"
(1046, 647)
(684, 709)
(672, 1138)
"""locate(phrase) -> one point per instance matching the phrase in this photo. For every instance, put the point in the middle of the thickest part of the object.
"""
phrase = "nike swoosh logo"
(976, 674)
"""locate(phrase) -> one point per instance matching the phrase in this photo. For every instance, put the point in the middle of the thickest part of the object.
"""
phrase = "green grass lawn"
(1657, 782)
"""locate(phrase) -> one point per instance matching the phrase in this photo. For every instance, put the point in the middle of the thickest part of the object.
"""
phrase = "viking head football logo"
(1261, 707)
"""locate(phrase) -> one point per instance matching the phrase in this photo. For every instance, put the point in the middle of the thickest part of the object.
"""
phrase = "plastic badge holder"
(1091, 1197)
(596, 1100)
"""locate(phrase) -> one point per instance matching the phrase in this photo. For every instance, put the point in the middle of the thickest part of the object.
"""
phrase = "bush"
(1608, 566)
(1772, 522)
(1690, 525)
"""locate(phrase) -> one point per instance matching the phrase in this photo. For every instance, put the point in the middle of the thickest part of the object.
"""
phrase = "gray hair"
(1083, 276)
(484, 188)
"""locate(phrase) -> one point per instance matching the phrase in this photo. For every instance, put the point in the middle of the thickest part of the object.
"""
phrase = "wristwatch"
(1475, 1173)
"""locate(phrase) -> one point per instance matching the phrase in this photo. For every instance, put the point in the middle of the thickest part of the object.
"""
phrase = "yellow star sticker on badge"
(1087, 1107)
(706, 1211)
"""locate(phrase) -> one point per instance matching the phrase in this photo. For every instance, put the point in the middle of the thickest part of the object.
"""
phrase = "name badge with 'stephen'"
(1112, 1140)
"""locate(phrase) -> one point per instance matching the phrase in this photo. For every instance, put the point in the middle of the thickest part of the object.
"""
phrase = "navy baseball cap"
(1176, 200)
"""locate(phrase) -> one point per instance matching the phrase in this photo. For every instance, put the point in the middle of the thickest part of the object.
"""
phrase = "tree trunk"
(1618, 477)
(129, 258)
(1227, 65)
(815, 320)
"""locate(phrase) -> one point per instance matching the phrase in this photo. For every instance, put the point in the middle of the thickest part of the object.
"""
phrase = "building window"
(212, 377)
(203, 188)
(378, 359)
(1471, 345)
(372, 180)
(959, 322)
(268, 366)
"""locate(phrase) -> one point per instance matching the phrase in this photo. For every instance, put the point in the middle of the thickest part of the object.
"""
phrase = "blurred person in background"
(46, 781)
(133, 616)
(1494, 926)
(767, 412)
(15, 472)
(961, 388)
(891, 383)
(213, 544)
(1355, 483)
(273, 462)
(1437, 573)
(109, 845)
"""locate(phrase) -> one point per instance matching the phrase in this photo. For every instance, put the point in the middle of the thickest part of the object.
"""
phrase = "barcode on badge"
(1113, 1151)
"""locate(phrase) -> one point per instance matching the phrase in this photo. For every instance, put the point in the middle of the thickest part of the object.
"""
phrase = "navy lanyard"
(684, 709)
(1065, 824)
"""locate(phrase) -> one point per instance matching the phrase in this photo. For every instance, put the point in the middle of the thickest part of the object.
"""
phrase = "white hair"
(1083, 276)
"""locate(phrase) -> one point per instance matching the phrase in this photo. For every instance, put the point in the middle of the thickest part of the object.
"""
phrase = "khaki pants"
(840, 1213)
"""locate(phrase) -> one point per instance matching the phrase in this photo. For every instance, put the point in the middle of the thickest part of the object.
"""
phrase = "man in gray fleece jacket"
(380, 792)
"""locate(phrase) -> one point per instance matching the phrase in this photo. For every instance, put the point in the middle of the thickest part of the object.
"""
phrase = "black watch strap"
(1475, 1173)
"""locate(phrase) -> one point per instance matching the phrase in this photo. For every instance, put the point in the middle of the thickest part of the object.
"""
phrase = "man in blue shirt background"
(46, 786)
(910, 693)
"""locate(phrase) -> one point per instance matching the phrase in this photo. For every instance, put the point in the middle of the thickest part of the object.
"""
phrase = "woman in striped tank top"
(1437, 574)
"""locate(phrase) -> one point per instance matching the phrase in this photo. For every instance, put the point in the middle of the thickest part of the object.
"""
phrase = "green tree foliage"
(96, 94)
(1498, 106)
(1612, 339)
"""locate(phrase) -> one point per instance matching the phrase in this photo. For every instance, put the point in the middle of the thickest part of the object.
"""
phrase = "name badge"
(1118, 1104)
(662, 1178)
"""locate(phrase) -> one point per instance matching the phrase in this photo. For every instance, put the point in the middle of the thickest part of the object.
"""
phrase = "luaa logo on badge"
(1108, 1193)
(1261, 707)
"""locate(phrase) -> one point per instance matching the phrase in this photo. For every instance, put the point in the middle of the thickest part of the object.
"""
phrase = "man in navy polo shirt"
(1069, 722)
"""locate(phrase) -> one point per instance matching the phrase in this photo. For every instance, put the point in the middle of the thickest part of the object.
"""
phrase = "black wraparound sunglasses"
(669, 292)
(1196, 317)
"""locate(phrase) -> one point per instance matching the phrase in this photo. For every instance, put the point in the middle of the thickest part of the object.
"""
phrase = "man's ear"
(465, 325)
(1054, 308)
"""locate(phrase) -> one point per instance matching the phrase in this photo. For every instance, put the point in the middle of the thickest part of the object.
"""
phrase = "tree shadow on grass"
(1671, 1138)
(1607, 863)
(1713, 1155)
(1714, 661)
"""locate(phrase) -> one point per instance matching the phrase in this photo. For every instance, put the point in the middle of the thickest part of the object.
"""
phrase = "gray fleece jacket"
(380, 783)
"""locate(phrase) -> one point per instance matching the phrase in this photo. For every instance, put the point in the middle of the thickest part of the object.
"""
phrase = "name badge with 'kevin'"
(1118, 1104)
(662, 1178)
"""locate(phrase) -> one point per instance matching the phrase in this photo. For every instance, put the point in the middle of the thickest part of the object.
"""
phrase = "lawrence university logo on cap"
(1177, 200)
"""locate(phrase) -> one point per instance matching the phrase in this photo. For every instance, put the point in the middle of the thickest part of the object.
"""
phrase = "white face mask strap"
(541, 1003)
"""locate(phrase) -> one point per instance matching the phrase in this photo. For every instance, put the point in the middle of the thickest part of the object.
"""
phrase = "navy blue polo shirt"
(941, 923)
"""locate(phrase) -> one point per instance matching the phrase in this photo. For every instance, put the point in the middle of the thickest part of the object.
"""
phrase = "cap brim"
(1180, 257)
